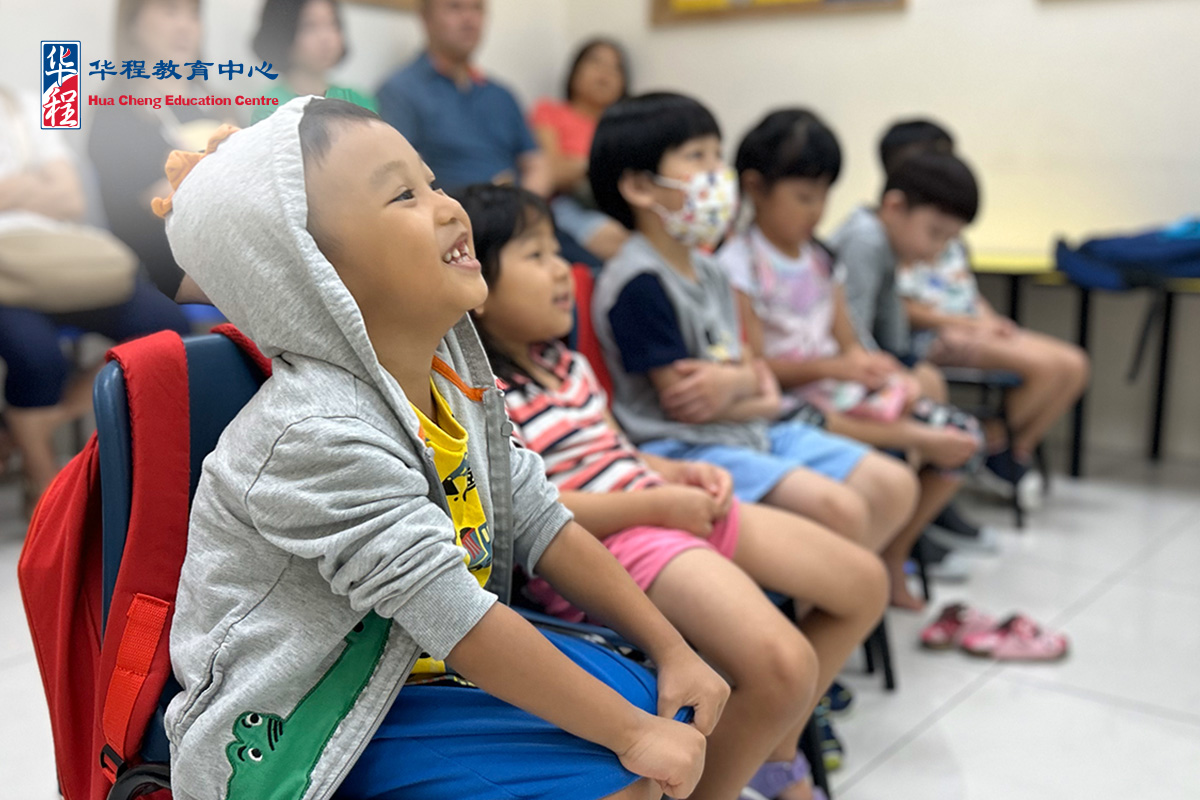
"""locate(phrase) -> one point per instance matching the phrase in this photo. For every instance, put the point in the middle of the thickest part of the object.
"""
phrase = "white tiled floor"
(1113, 560)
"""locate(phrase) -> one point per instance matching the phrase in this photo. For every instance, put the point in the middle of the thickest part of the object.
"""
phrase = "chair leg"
(1043, 466)
(869, 655)
(880, 637)
(922, 572)
(1018, 508)
(810, 746)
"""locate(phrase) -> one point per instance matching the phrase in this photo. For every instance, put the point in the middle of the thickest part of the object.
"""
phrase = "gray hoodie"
(321, 558)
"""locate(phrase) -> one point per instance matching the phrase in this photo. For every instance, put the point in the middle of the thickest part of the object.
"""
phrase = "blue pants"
(456, 742)
(29, 341)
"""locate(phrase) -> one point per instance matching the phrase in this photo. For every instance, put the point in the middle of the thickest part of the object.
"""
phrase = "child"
(666, 320)
(358, 517)
(672, 524)
(795, 317)
(955, 326)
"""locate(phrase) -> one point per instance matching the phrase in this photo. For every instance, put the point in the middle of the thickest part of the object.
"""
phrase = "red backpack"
(104, 680)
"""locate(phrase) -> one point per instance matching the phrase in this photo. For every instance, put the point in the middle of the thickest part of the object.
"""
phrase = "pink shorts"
(644, 552)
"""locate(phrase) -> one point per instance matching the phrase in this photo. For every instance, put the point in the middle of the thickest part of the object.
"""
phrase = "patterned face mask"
(709, 204)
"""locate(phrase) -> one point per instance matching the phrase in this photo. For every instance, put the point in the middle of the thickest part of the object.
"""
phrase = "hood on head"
(238, 227)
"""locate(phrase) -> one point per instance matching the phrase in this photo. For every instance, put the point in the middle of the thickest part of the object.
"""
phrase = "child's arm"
(579, 568)
(602, 514)
(506, 657)
(695, 391)
(925, 317)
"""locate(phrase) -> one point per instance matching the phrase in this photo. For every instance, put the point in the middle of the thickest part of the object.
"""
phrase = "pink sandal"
(956, 622)
(1018, 638)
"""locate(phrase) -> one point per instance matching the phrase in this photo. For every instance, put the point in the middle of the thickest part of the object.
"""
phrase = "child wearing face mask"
(667, 323)
(699, 554)
(354, 533)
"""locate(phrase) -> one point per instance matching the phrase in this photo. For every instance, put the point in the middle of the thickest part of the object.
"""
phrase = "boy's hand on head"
(684, 508)
(684, 680)
(712, 479)
(667, 752)
(701, 391)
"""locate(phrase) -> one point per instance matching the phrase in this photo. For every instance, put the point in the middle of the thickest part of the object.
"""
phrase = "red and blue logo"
(61, 101)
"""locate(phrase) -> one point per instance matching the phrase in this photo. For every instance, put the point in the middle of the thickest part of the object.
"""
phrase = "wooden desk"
(1018, 265)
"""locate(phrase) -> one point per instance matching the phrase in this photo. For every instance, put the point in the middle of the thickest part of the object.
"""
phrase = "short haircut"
(278, 27)
(790, 143)
(634, 135)
(316, 126)
(911, 136)
(498, 215)
(584, 51)
(941, 180)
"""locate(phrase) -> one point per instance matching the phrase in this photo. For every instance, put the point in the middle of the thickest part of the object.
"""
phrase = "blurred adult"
(599, 77)
(304, 39)
(129, 145)
(467, 127)
(40, 191)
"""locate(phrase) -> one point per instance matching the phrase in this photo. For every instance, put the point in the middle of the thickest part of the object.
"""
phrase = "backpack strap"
(135, 643)
(230, 331)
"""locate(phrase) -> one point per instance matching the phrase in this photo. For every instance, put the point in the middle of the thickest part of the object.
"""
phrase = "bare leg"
(933, 383)
(845, 585)
(1055, 375)
(727, 617)
(937, 489)
(825, 501)
(890, 489)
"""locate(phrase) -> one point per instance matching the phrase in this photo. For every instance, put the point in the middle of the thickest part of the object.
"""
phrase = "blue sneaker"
(838, 700)
(832, 751)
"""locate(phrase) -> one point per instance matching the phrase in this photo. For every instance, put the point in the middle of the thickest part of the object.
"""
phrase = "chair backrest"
(585, 334)
(221, 380)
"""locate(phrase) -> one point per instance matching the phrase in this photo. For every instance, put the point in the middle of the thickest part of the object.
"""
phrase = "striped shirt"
(569, 429)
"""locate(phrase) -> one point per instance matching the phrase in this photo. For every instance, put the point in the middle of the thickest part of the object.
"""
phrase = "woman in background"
(598, 78)
(304, 39)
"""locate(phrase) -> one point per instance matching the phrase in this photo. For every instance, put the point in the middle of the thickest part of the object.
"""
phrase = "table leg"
(1014, 298)
(1085, 308)
(1164, 374)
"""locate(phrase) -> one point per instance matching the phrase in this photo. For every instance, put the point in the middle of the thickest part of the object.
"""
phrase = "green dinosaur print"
(272, 757)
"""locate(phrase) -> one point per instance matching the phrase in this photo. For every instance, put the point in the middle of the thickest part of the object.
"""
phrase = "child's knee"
(891, 489)
(847, 512)
(781, 670)
(872, 582)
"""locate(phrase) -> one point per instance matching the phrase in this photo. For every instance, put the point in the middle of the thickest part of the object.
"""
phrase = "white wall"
(1080, 115)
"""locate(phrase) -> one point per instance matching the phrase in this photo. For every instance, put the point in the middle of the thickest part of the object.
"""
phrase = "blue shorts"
(452, 741)
(793, 444)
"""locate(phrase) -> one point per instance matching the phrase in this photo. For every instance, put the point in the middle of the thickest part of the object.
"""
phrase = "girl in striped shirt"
(675, 526)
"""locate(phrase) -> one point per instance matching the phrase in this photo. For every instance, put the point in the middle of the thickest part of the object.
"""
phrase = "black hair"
(316, 125)
(498, 215)
(790, 143)
(911, 136)
(584, 51)
(941, 180)
(634, 135)
(278, 28)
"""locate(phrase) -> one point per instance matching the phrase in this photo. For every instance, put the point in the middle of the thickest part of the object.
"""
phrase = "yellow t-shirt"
(448, 441)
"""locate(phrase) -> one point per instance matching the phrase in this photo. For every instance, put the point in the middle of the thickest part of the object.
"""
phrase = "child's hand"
(1003, 327)
(862, 367)
(667, 752)
(712, 479)
(684, 508)
(702, 390)
(685, 680)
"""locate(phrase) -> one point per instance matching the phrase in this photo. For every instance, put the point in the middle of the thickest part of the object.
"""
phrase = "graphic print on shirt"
(273, 757)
